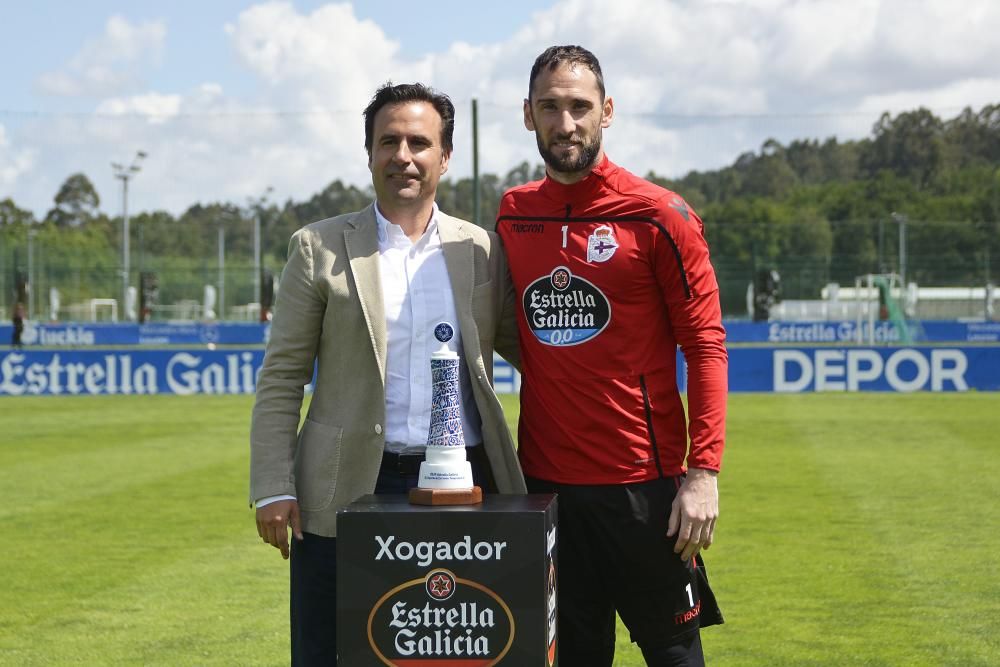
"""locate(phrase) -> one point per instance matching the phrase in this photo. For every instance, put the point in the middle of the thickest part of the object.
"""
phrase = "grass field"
(856, 529)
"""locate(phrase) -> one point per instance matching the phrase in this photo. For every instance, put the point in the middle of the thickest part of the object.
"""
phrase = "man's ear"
(445, 160)
(529, 124)
(607, 112)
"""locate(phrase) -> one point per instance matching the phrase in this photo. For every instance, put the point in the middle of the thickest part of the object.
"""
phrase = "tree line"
(814, 210)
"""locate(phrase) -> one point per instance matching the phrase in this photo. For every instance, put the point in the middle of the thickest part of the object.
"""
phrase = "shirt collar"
(582, 189)
(390, 235)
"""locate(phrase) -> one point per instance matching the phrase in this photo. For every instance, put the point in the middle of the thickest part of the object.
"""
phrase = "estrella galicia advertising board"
(447, 586)
(201, 370)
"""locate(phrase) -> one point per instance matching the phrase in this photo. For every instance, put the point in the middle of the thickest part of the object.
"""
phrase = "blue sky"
(43, 35)
(231, 97)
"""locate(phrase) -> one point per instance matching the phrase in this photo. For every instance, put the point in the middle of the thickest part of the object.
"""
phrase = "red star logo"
(440, 586)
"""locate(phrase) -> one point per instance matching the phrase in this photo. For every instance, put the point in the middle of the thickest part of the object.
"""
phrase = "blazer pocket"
(317, 463)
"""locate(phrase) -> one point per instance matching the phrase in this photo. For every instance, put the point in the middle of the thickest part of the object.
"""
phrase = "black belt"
(404, 464)
(409, 464)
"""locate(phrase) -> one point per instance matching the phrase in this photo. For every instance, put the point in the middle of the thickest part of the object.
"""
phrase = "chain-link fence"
(57, 284)
(182, 290)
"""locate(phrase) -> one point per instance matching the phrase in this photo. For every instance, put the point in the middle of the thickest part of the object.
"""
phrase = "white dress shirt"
(417, 295)
(416, 291)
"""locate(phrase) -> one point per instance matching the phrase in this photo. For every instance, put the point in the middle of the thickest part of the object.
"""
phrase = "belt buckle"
(402, 464)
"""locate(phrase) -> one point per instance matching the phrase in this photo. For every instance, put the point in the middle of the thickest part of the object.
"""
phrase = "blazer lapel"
(458, 250)
(361, 241)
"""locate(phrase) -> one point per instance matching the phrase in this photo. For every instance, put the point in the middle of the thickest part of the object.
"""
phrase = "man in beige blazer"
(332, 315)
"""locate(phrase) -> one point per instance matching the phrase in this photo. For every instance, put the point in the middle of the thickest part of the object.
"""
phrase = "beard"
(567, 164)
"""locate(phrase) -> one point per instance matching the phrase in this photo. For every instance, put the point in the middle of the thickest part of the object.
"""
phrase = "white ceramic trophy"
(445, 474)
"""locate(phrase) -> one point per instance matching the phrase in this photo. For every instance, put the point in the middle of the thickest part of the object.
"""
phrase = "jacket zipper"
(649, 425)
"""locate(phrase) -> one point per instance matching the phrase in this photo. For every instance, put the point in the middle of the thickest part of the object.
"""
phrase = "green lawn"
(856, 529)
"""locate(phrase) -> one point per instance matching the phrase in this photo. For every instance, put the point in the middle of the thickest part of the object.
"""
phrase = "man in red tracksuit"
(612, 274)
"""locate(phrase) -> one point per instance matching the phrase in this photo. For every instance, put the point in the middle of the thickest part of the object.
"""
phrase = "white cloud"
(949, 39)
(695, 84)
(330, 51)
(109, 64)
(155, 107)
(975, 93)
(13, 163)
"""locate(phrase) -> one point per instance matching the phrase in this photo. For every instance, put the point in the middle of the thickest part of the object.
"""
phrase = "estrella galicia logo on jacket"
(601, 244)
(441, 619)
(563, 309)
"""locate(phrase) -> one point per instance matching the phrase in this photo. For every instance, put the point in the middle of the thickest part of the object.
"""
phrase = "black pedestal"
(469, 586)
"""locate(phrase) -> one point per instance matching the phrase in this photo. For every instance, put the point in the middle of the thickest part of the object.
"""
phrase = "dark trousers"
(614, 556)
(313, 568)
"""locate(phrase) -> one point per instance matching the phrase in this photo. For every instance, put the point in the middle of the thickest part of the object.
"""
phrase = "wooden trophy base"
(473, 496)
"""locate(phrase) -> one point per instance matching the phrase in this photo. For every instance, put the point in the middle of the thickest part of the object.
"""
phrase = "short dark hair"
(554, 56)
(411, 92)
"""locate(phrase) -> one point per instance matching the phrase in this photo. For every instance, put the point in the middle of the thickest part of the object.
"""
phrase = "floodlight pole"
(256, 257)
(257, 205)
(901, 220)
(123, 173)
(31, 273)
(475, 162)
(222, 271)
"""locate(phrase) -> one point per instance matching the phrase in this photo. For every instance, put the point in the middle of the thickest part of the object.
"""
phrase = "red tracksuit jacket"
(612, 273)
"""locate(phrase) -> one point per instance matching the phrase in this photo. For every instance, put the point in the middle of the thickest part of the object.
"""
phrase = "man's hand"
(273, 520)
(694, 512)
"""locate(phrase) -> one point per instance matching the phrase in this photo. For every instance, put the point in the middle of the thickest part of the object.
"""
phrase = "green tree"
(12, 215)
(804, 159)
(973, 138)
(523, 173)
(334, 199)
(840, 161)
(76, 202)
(911, 145)
(766, 175)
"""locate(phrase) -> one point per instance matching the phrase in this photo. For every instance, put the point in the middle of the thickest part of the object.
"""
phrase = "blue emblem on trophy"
(445, 469)
(444, 332)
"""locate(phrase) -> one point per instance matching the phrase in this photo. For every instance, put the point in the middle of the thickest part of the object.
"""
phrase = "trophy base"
(473, 496)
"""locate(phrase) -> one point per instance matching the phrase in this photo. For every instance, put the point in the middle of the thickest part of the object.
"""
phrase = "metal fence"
(186, 290)
(65, 288)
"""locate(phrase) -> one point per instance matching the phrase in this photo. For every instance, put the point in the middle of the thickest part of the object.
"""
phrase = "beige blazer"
(330, 313)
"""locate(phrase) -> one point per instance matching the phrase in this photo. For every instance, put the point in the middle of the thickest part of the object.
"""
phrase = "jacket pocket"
(317, 463)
